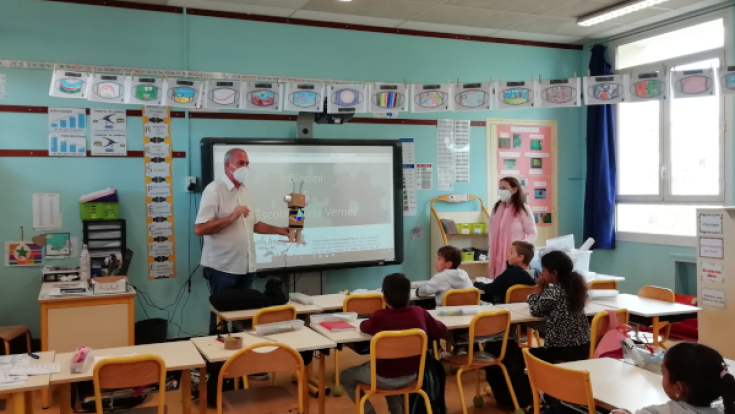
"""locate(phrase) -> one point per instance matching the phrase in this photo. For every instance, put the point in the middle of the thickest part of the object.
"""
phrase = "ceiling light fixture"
(616, 11)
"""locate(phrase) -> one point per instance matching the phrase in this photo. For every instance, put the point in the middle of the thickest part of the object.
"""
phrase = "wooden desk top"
(646, 307)
(301, 340)
(523, 308)
(621, 385)
(43, 296)
(250, 313)
(344, 337)
(177, 356)
(35, 382)
(463, 321)
(336, 300)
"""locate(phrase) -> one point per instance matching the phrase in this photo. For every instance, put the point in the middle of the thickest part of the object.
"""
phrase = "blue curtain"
(599, 200)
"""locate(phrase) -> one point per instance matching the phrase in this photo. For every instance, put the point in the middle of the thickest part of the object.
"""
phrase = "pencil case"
(80, 359)
(333, 317)
(457, 310)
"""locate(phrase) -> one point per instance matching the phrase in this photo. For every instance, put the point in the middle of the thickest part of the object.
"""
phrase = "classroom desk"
(463, 321)
(591, 309)
(22, 395)
(301, 340)
(348, 337)
(336, 300)
(250, 313)
(178, 356)
(616, 384)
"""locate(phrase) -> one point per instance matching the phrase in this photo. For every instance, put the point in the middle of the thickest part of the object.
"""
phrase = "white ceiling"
(533, 20)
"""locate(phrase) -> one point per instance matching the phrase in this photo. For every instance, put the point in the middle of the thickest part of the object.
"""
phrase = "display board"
(526, 150)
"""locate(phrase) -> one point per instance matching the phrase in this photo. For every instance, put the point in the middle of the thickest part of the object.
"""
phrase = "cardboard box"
(109, 284)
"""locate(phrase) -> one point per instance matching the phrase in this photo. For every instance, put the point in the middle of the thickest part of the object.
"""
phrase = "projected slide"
(349, 191)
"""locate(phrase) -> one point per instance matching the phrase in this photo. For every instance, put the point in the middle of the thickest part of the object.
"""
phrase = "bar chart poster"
(67, 132)
(159, 199)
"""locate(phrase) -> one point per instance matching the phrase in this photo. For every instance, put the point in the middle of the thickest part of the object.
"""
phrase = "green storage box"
(99, 211)
(478, 228)
(468, 256)
(464, 228)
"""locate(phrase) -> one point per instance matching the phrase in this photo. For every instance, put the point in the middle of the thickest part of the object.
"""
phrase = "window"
(671, 152)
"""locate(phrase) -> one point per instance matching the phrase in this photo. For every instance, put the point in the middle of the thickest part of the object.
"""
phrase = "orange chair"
(664, 295)
(395, 345)
(8, 333)
(484, 324)
(131, 372)
(603, 284)
(458, 297)
(271, 314)
(363, 305)
(267, 399)
(517, 294)
(601, 324)
(565, 384)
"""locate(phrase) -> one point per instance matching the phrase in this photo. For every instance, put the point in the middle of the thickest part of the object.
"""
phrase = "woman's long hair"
(517, 200)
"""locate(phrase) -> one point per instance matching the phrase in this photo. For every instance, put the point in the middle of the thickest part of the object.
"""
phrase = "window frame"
(726, 139)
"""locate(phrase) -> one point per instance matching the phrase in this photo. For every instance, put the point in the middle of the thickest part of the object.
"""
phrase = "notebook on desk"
(337, 326)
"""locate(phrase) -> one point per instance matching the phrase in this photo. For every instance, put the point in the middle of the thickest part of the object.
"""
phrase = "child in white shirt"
(448, 275)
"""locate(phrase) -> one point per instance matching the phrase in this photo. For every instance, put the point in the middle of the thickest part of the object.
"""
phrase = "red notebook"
(338, 326)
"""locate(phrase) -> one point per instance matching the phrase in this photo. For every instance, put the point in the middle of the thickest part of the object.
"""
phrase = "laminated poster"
(346, 99)
(222, 94)
(473, 96)
(106, 87)
(144, 90)
(713, 298)
(712, 272)
(182, 93)
(710, 223)
(304, 97)
(726, 75)
(603, 90)
(432, 97)
(262, 96)
(514, 95)
(693, 83)
(559, 93)
(69, 84)
(650, 86)
(109, 132)
(388, 97)
(711, 247)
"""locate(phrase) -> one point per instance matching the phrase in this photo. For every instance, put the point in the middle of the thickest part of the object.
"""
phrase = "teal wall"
(47, 31)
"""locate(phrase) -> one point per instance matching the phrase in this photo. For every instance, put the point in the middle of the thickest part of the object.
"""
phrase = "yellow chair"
(603, 284)
(601, 324)
(270, 314)
(363, 305)
(458, 297)
(565, 384)
(394, 345)
(8, 333)
(664, 295)
(264, 400)
(130, 372)
(517, 294)
(484, 324)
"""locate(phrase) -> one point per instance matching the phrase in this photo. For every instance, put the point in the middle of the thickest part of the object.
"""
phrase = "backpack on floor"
(515, 365)
(435, 382)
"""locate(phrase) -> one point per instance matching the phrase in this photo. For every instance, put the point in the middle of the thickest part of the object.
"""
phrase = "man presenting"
(227, 222)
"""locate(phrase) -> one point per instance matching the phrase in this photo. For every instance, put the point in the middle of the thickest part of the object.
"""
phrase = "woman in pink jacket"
(511, 220)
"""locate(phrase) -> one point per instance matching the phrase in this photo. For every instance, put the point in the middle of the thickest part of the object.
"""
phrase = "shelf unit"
(439, 237)
(104, 238)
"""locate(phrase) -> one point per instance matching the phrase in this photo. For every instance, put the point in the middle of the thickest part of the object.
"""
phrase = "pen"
(34, 356)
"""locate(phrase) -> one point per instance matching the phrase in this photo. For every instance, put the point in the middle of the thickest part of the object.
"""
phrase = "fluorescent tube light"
(616, 11)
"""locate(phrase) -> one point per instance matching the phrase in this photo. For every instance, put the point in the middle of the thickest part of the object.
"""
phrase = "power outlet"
(191, 184)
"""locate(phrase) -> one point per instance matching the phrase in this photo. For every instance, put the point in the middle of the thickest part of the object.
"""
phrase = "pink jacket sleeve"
(529, 225)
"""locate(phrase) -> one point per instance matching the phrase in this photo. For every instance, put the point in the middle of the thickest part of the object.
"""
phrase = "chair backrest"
(129, 372)
(603, 284)
(274, 314)
(249, 361)
(657, 293)
(363, 304)
(489, 323)
(565, 384)
(398, 344)
(601, 324)
(461, 297)
(519, 293)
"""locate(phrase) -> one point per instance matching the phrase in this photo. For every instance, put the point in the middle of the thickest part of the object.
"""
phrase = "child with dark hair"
(518, 273)
(562, 301)
(398, 316)
(448, 275)
(694, 377)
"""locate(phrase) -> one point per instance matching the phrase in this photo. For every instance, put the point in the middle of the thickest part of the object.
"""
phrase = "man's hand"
(240, 211)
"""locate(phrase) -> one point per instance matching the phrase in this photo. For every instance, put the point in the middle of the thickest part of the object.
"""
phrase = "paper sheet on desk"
(6, 379)
(39, 369)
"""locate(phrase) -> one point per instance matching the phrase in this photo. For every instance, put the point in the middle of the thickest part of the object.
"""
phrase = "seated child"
(517, 273)
(694, 377)
(393, 373)
(448, 275)
(562, 301)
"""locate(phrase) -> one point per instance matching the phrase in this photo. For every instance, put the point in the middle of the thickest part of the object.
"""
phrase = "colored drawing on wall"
(346, 99)
(23, 253)
(603, 90)
(473, 96)
(262, 96)
(304, 97)
(647, 86)
(222, 94)
(182, 93)
(58, 245)
(144, 90)
(726, 75)
(513, 95)
(559, 93)
(432, 97)
(693, 83)
(69, 84)
(104, 87)
(388, 97)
